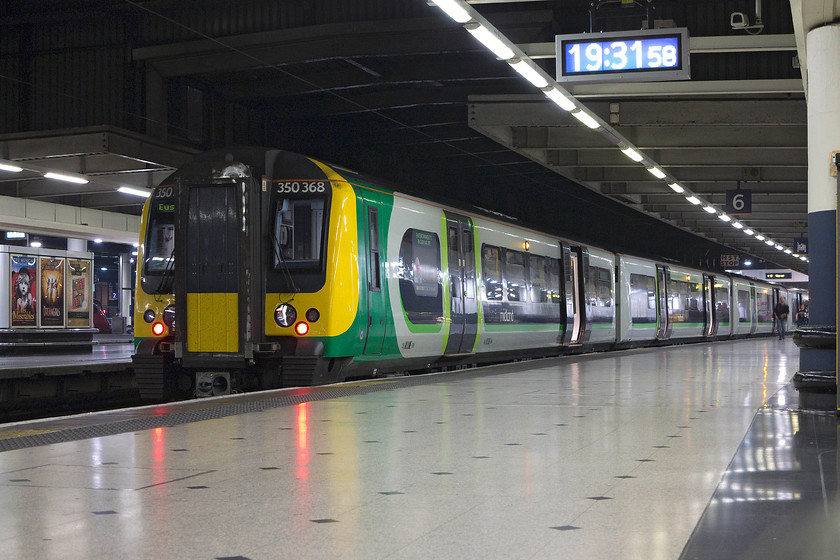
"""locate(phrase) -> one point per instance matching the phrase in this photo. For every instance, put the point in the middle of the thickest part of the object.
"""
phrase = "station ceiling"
(403, 92)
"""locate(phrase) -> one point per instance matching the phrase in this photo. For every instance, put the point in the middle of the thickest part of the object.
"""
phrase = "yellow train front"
(249, 276)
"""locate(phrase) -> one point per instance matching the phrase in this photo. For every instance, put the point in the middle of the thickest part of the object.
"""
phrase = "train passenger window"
(491, 269)
(374, 278)
(553, 281)
(540, 290)
(298, 231)
(722, 304)
(764, 304)
(419, 276)
(515, 275)
(643, 299)
(744, 314)
(680, 303)
(600, 287)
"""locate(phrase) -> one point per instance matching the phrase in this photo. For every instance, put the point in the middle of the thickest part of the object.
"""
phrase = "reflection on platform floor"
(602, 456)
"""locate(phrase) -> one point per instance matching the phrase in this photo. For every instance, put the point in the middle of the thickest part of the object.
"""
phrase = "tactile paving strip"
(222, 410)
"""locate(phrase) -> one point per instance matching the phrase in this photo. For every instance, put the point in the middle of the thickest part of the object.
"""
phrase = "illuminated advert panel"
(630, 56)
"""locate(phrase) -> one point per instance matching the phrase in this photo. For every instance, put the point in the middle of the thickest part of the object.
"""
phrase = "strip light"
(770, 242)
(760, 237)
(529, 73)
(10, 168)
(656, 172)
(561, 100)
(68, 178)
(724, 217)
(693, 199)
(677, 188)
(135, 192)
(632, 154)
(586, 119)
(710, 209)
(454, 10)
(490, 40)
(737, 225)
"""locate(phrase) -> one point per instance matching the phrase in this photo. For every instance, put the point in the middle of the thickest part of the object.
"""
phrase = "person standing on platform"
(802, 316)
(780, 312)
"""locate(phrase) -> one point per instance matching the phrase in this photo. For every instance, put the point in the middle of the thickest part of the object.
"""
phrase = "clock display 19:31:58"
(618, 56)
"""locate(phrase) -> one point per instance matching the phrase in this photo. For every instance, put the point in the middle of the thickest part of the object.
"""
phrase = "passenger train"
(261, 268)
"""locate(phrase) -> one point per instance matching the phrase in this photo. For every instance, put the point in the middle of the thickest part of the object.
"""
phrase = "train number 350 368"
(285, 187)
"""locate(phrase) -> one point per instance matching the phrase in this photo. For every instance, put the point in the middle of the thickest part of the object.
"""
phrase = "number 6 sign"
(739, 201)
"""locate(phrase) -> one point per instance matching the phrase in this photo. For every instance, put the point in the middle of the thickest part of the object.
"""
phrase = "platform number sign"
(729, 261)
(739, 201)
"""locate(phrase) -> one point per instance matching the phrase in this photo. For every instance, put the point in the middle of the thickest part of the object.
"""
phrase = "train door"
(376, 304)
(663, 324)
(709, 307)
(567, 286)
(577, 289)
(753, 310)
(463, 310)
(209, 240)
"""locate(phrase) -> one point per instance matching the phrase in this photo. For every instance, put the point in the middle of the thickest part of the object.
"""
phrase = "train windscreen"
(298, 232)
(159, 245)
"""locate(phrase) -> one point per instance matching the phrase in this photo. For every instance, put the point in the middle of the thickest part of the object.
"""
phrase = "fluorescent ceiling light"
(632, 154)
(491, 41)
(10, 168)
(586, 119)
(97, 240)
(676, 187)
(724, 217)
(136, 192)
(710, 209)
(454, 10)
(748, 231)
(35, 244)
(737, 225)
(770, 242)
(693, 199)
(564, 102)
(656, 172)
(760, 237)
(529, 73)
(803, 258)
(780, 248)
(788, 251)
(69, 178)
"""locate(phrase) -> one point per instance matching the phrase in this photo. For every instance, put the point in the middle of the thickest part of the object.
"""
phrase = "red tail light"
(158, 328)
(302, 328)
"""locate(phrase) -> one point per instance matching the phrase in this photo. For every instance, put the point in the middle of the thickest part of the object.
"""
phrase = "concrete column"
(76, 244)
(823, 138)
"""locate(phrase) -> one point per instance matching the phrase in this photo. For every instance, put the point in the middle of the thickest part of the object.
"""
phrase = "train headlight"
(285, 315)
(158, 329)
(149, 315)
(301, 328)
(312, 315)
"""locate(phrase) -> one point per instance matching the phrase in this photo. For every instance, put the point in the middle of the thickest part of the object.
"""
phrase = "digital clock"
(647, 55)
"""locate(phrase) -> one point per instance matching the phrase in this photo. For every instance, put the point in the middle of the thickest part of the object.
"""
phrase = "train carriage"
(263, 268)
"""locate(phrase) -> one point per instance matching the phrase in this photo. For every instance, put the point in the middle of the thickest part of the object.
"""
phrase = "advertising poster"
(52, 292)
(78, 286)
(24, 281)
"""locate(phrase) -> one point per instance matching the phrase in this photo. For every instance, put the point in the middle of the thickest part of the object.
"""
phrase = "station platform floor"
(697, 452)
